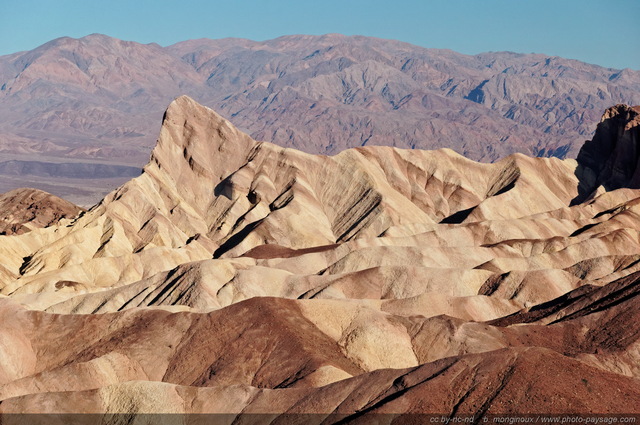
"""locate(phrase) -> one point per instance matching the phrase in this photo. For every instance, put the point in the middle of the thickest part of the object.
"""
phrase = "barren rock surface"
(24, 209)
(617, 140)
(240, 277)
(95, 102)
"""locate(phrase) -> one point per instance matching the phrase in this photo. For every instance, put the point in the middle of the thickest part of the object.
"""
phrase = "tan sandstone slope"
(237, 276)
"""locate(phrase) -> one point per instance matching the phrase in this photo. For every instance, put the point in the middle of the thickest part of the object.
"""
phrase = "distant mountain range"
(97, 101)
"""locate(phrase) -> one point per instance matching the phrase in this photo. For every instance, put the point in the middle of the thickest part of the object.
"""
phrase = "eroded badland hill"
(241, 277)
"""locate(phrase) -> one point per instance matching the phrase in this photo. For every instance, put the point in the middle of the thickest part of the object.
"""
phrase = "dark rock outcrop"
(24, 209)
(611, 159)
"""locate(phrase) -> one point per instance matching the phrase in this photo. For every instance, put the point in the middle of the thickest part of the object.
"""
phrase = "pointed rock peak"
(196, 135)
(192, 119)
(612, 158)
(185, 105)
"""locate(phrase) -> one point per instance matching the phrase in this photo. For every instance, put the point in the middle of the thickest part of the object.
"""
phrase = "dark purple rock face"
(611, 158)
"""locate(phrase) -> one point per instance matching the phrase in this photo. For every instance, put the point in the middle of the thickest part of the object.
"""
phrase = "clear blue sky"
(604, 32)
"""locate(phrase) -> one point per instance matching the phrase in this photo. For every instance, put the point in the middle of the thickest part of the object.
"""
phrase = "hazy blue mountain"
(101, 99)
